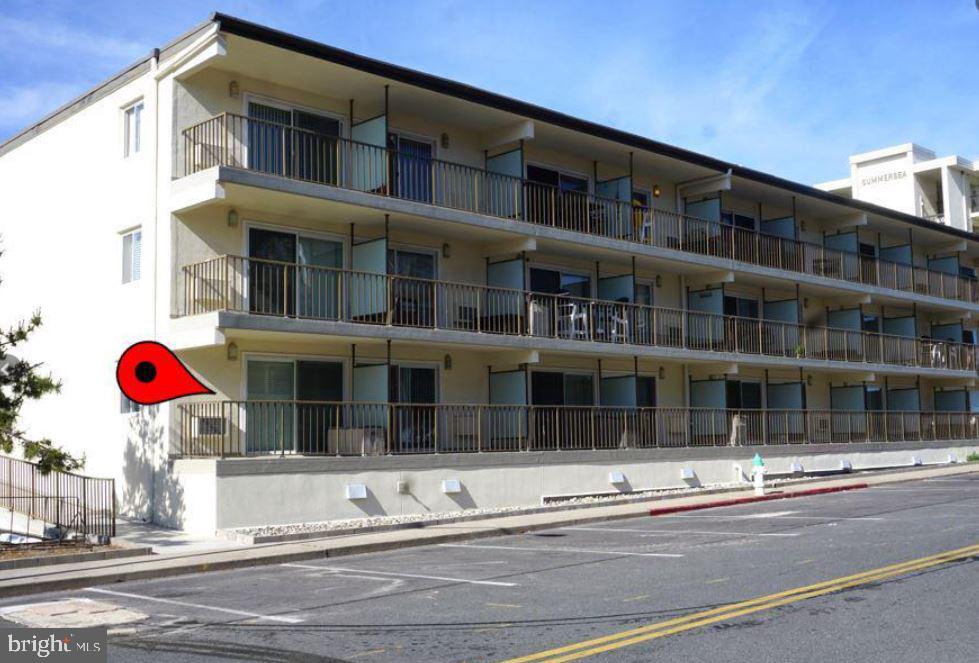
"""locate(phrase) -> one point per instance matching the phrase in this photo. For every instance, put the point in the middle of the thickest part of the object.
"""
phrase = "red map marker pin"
(149, 373)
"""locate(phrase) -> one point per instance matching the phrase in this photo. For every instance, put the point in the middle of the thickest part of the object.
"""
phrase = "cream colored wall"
(465, 382)
(205, 234)
(222, 502)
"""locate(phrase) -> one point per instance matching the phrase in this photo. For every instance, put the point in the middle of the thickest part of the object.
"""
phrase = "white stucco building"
(411, 294)
(912, 179)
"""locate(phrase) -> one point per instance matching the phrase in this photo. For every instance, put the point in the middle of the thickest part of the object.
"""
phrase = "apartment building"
(411, 294)
(912, 179)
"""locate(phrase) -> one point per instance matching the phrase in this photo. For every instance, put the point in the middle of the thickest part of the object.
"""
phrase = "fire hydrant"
(758, 474)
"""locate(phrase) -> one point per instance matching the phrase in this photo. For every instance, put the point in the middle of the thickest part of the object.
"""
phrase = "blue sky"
(791, 88)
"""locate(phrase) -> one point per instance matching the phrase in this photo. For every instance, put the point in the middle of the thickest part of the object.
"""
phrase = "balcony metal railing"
(241, 428)
(240, 142)
(265, 287)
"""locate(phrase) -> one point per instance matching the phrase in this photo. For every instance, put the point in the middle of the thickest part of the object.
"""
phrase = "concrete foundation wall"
(249, 492)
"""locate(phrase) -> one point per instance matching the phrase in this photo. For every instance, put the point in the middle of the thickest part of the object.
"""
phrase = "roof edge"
(94, 93)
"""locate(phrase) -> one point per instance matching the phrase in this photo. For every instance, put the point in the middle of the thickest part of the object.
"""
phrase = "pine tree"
(20, 380)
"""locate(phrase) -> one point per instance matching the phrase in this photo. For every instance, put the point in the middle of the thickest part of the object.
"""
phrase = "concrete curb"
(74, 558)
(755, 498)
(161, 566)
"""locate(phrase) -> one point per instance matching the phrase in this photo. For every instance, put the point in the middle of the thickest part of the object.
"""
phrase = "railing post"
(435, 434)
(227, 285)
(594, 441)
(389, 298)
(479, 308)
(285, 291)
(388, 425)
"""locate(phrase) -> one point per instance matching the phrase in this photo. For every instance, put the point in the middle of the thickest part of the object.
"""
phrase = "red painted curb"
(755, 498)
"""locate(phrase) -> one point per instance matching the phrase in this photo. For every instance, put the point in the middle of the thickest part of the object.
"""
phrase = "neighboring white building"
(410, 294)
(911, 179)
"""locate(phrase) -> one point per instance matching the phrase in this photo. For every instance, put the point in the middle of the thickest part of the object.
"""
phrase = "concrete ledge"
(73, 558)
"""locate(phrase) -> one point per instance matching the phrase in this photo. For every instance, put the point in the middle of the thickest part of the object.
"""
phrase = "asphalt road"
(507, 597)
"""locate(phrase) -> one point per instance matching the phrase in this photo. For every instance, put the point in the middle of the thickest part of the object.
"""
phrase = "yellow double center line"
(696, 620)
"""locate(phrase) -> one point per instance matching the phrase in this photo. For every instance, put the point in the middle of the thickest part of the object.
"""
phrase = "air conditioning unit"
(209, 426)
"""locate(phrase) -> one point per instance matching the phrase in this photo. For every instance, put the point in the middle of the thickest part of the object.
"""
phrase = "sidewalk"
(167, 541)
(72, 576)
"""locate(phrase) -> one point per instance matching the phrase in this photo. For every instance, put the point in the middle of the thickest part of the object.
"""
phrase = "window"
(556, 388)
(132, 121)
(131, 251)
(552, 281)
(645, 391)
(873, 399)
(643, 294)
(738, 220)
(740, 306)
(743, 395)
(127, 406)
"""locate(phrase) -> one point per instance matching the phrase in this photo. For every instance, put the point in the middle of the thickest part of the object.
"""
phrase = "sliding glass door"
(412, 165)
(319, 388)
(294, 274)
(269, 416)
(414, 295)
(293, 143)
(271, 276)
(292, 405)
(415, 389)
(556, 198)
(557, 423)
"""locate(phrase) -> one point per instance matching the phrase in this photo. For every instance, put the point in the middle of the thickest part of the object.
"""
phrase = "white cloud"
(21, 105)
(31, 36)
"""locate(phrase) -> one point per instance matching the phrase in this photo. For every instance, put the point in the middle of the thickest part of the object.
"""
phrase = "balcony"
(262, 428)
(269, 288)
(239, 142)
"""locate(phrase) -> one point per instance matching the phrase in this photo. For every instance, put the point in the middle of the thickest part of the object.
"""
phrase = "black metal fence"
(73, 502)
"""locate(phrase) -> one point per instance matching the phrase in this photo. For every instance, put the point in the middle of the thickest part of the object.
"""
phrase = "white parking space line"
(240, 613)
(552, 549)
(930, 491)
(338, 569)
(972, 481)
(780, 516)
(675, 531)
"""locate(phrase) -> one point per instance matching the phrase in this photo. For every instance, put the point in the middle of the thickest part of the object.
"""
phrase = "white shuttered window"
(131, 255)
